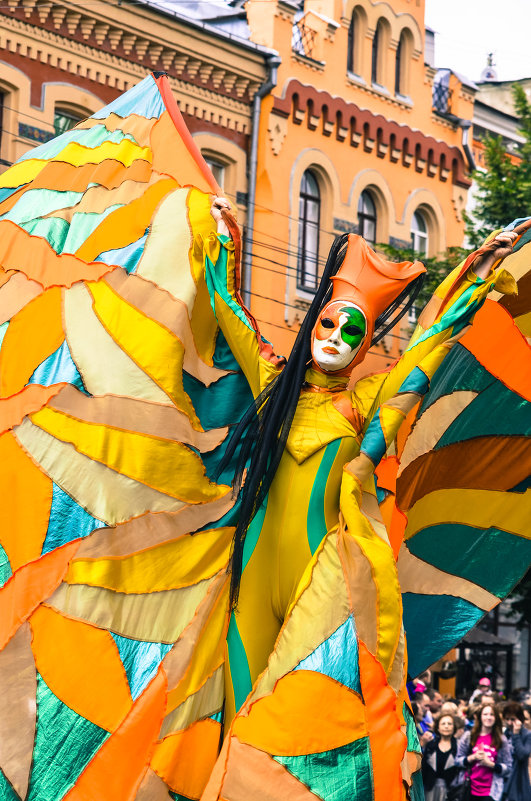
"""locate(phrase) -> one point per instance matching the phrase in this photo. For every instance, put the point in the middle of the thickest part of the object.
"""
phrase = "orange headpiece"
(371, 283)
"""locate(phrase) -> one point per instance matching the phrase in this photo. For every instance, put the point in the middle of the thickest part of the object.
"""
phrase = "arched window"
(375, 46)
(419, 234)
(217, 169)
(367, 217)
(309, 216)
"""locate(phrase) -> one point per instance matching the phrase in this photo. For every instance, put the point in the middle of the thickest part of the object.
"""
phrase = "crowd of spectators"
(473, 748)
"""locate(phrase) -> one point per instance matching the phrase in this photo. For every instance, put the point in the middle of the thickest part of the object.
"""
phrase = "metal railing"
(303, 40)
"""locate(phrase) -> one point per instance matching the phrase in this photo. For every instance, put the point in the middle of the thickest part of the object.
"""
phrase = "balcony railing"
(442, 98)
(303, 40)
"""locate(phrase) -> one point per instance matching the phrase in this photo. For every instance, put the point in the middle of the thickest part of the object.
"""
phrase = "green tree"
(503, 190)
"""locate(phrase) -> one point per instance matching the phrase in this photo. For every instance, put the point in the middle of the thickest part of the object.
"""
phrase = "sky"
(467, 30)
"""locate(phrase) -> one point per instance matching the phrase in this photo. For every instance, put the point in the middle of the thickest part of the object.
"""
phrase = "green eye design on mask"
(353, 330)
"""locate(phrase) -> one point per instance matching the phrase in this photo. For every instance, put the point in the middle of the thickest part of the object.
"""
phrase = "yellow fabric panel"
(208, 654)
(82, 478)
(155, 349)
(105, 367)
(524, 323)
(65, 649)
(471, 507)
(163, 465)
(165, 258)
(390, 419)
(186, 561)
(156, 616)
(203, 322)
(380, 555)
(205, 702)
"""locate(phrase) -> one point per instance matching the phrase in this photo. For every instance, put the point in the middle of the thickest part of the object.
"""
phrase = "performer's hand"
(215, 209)
(502, 246)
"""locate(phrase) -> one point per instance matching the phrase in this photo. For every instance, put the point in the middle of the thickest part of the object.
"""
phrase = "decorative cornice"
(59, 21)
(373, 131)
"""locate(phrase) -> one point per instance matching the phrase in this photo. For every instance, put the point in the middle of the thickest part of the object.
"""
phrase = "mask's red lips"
(330, 350)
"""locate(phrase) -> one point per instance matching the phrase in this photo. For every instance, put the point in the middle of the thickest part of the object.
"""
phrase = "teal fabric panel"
(447, 619)
(143, 99)
(337, 657)
(413, 743)
(462, 371)
(5, 566)
(253, 534)
(34, 201)
(53, 229)
(496, 411)
(416, 792)
(343, 774)
(57, 368)
(141, 660)
(65, 743)
(127, 257)
(88, 137)
(6, 790)
(239, 667)
(83, 225)
(374, 445)
(179, 797)
(315, 520)
(68, 521)
(417, 381)
(474, 554)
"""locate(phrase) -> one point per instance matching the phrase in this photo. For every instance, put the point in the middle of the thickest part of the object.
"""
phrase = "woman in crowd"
(484, 754)
(518, 786)
(439, 765)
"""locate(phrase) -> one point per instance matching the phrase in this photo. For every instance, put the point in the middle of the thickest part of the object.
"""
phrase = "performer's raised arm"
(253, 353)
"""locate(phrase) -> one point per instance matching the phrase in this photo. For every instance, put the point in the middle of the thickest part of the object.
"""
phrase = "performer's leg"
(254, 626)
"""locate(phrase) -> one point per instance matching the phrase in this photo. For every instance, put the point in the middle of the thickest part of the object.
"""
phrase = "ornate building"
(317, 117)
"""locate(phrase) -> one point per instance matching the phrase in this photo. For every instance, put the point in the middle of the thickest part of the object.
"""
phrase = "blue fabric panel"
(5, 568)
(65, 743)
(83, 225)
(57, 368)
(127, 257)
(68, 521)
(3, 331)
(417, 381)
(141, 660)
(373, 444)
(337, 657)
(5, 193)
(447, 619)
(143, 99)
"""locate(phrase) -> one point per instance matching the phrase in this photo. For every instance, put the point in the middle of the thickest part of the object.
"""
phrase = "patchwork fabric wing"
(463, 498)
(108, 441)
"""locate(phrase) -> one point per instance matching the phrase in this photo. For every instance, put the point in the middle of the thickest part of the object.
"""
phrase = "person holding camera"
(518, 786)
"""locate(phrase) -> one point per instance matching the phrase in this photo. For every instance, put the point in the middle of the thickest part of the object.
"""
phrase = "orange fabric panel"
(45, 266)
(26, 503)
(126, 224)
(118, 767)
(28, 400)
(186, 759)
(502, 354)
(64, 648)
(388, 742)
(38, 325)
(307, 712)
(29, 585)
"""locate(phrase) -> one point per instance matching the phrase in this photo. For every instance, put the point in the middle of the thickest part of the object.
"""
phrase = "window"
(398, 67)
(217, 169)
(367, 217)
(375, 45)
(309, 214)
(351, 43)
(419, 234)
(64, 120)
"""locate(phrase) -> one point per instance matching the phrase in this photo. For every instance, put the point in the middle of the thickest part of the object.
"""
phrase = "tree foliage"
(503, 190)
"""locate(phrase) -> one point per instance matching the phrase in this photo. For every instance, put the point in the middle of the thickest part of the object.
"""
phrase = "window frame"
(303, 258)
(365, 217)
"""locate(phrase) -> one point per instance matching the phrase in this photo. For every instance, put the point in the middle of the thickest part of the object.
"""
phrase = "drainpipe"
(273, 63)
(465, 127)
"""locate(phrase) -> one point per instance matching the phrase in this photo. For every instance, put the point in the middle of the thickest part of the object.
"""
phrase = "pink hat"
(484, 682)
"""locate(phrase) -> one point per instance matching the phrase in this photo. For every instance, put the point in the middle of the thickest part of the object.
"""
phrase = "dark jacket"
(429, 764)
(518, 787)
